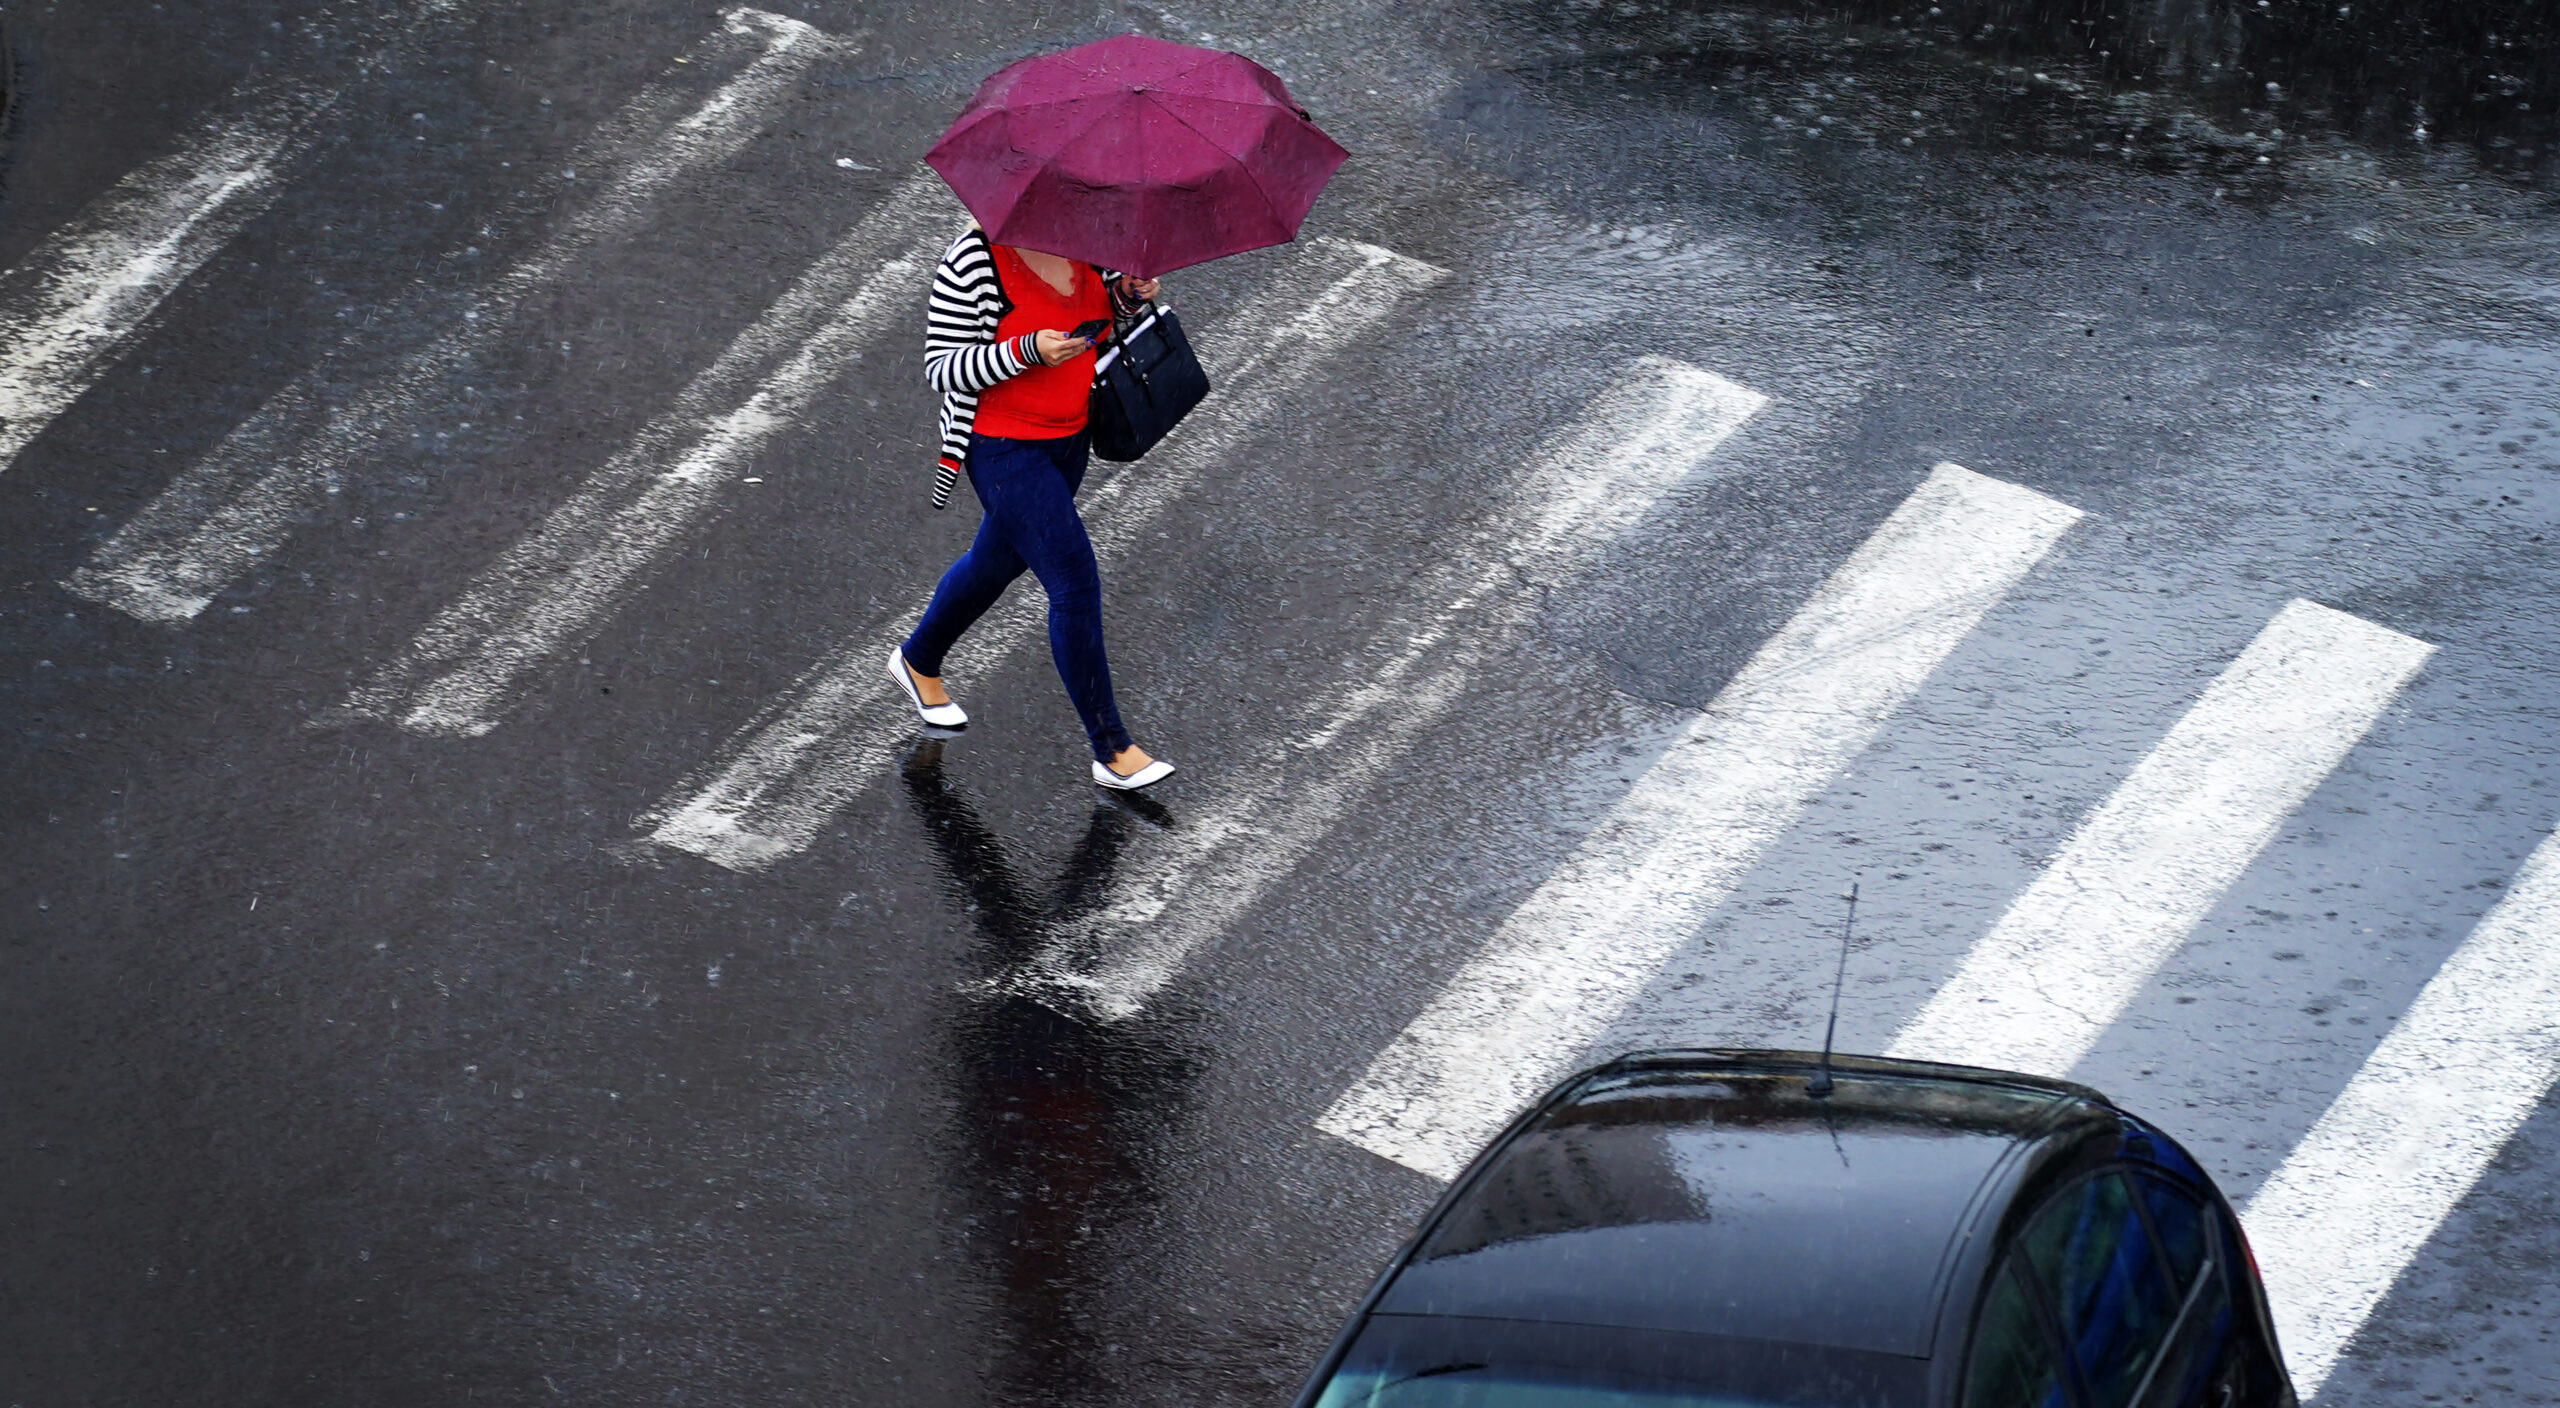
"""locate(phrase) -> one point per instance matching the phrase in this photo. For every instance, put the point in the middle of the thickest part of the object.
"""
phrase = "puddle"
(2227, 89)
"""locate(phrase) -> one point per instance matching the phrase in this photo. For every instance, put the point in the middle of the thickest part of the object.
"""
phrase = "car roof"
(1708, 1192)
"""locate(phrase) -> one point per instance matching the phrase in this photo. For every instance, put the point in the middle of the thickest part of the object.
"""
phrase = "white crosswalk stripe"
(1658, 423)
(2410, 1135)
(1568, 960)
(765, 796)
(2040, 989)
(224, 516)
(556, 587)
(68, 310)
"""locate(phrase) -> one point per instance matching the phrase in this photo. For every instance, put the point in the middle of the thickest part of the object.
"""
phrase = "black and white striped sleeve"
(961, 354)
(1125, 306)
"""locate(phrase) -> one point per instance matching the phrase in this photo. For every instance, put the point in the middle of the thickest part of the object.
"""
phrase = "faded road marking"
(68, 310)
(243, 502)
(557, 587)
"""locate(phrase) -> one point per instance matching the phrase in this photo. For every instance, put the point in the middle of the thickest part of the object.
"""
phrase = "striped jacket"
(961, 354)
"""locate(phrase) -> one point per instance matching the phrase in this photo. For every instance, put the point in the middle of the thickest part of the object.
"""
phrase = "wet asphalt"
(347, 1065)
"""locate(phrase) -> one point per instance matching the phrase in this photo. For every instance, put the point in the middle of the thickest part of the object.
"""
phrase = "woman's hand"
(1143, 290)
(1056, 348)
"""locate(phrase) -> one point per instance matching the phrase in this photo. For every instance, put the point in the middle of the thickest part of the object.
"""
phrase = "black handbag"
(1143, 385)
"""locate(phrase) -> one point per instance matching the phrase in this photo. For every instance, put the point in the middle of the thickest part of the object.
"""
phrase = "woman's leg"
(1052, 539)
(981, 574)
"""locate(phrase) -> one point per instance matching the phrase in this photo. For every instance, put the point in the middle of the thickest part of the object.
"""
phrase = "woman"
(1000, 346)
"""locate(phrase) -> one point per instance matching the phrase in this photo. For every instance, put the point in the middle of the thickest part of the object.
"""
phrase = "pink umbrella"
(1136, 154)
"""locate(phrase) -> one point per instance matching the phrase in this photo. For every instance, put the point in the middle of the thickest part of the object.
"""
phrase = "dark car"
(1680, 1229)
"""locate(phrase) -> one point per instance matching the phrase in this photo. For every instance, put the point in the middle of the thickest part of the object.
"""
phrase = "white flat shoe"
(938, 715)
(1147, 776)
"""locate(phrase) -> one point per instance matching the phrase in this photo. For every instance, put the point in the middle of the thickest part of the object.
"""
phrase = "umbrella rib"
(1097, 69)
(1269, 207)
(1066, 133)
(1190, 62)
(1196, 98)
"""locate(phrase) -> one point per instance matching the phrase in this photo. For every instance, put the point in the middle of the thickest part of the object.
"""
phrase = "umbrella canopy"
(1136, 154)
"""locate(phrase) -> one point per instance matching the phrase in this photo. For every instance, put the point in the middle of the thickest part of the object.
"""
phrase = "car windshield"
(1434, 1361)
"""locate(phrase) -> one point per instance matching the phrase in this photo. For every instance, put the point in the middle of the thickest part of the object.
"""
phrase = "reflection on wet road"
(1055, 1119)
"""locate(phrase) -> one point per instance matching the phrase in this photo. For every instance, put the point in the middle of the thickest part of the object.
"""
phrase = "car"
(1778, 1229)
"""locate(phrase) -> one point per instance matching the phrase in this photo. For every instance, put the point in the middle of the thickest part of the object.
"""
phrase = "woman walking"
(1132, 153)
(1002, 346)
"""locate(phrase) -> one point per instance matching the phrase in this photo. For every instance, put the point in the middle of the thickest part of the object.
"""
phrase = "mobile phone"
(1091, 329)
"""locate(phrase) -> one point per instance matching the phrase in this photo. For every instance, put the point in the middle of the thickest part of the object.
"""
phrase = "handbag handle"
(1120, 344)
(1130, 360)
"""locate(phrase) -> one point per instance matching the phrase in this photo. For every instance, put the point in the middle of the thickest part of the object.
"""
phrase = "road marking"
(2404, 1143)
(554, 589)
(1658, 422)
(770, 789)
(1571, 957)
(2147, 866)
(225, 515)
(70, 308)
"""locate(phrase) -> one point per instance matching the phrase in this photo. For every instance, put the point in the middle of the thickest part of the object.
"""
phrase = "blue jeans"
(1028, 488)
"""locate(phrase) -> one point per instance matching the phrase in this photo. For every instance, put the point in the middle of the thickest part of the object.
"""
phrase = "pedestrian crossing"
(75, 304)
(2416, 1127)
(556, 588)
(774, 786)
(2405, 1140)
(1568, 960)
(245, 501)
(2149, 863)
(1658, 424)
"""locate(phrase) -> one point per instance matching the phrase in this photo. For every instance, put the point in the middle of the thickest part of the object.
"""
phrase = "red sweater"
(1042, 402)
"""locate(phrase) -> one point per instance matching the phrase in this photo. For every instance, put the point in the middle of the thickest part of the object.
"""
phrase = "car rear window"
(1729, 1213)
(1412, 1361)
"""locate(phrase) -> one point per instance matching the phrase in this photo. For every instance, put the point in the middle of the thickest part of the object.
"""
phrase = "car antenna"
(1820, 1086)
